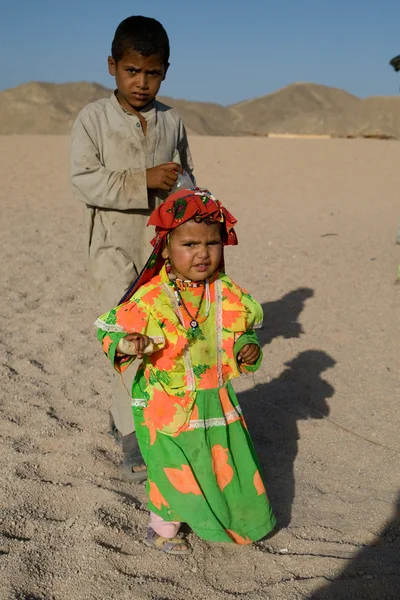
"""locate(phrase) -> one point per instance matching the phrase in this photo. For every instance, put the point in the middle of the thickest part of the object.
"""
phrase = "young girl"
(194, 329)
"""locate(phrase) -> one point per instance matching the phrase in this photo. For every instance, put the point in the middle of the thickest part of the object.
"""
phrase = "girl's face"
(194, 250)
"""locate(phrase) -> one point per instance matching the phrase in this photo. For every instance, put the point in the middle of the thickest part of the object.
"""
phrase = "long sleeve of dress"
(249, 337)
(97, 186)
(117, 323)
(254, 319)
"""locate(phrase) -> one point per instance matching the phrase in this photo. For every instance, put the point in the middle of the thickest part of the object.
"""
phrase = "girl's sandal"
(176, 545)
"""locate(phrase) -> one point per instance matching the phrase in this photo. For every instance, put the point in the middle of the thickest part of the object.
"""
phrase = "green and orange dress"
(202, 466)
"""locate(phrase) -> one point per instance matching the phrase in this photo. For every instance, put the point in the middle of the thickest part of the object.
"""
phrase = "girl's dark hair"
(144, 35)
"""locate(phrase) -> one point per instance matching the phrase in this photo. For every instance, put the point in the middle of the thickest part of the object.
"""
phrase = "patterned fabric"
(201, 461)
(208, 476)
(180, 207)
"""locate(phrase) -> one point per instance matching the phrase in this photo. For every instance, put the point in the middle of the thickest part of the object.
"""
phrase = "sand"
(317, 227)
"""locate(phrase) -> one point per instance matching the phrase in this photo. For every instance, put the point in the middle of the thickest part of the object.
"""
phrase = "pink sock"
(167, 529)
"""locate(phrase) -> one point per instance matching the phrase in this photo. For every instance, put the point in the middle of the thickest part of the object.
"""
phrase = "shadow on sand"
(273, 409)
(374, 572)
(281, 316)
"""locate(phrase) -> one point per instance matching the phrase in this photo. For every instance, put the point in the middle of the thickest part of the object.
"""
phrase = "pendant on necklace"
(194, 324)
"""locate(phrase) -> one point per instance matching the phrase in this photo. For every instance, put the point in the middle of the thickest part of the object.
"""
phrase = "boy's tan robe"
(109, 158)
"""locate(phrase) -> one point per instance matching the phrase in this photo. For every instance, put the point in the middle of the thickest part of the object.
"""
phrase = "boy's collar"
(148, 111)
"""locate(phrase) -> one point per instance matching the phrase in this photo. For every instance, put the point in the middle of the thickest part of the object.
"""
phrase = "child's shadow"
(272, 409)
(373, 573)
(280, 316)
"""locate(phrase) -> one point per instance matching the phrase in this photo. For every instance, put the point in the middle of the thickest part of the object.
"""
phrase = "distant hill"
(300, 108)
(307, 108)
(45, 108)
(50, 108)
(295, 102)
(204, 118)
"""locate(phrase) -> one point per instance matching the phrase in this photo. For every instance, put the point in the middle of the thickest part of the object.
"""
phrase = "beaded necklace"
(194, 320)
(194, 330)
(179, 285)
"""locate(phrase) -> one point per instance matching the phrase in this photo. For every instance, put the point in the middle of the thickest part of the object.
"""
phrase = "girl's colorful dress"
(202, 466)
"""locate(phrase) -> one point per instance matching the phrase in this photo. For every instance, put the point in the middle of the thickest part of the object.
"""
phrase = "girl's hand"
(139, 341)
(249, 354)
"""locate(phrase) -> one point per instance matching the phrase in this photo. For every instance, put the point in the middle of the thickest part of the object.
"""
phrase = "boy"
(125, 154)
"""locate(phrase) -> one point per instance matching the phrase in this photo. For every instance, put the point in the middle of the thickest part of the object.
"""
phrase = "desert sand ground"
(317, 225)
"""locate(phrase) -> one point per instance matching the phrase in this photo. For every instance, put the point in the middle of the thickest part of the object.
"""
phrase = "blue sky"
(222, 51)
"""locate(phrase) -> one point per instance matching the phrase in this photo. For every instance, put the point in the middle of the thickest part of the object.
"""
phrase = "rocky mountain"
(301, 108)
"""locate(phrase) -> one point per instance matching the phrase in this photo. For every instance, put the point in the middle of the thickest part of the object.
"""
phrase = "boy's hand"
(249, 354)
(163, 177)
(140, 342)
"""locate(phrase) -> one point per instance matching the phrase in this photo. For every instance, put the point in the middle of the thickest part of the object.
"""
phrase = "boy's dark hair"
(144, 35)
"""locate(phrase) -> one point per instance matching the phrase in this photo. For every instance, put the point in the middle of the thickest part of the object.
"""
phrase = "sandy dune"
(317, 224)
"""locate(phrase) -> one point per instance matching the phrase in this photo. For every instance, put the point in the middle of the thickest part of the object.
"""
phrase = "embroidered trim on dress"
(111, 328)
(218, 323)
(139, 403)
(229, 418)
(156, 339)
(191, 384)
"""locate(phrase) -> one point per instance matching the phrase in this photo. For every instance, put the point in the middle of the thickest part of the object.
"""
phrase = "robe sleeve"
(93, 183)
(130, 317)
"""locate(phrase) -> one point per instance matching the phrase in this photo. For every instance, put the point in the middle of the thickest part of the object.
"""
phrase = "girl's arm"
(253, 320)
(248, 339)
(137, 325)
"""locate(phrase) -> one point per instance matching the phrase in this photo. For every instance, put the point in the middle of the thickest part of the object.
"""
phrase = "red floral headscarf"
(178, 208)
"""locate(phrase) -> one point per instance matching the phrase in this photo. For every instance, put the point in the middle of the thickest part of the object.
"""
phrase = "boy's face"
(138, 79)
(194, 250)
